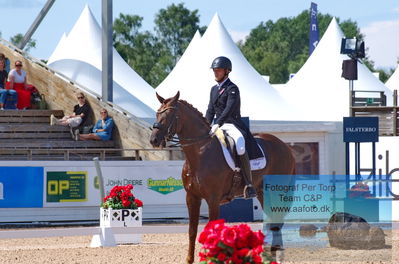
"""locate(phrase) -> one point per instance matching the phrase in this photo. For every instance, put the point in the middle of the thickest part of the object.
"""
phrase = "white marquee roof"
(393, 81)
(318, 87)
(78, 56)
(193, 77)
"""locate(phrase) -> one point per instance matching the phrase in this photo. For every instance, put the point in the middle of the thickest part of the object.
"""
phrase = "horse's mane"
(195, 111)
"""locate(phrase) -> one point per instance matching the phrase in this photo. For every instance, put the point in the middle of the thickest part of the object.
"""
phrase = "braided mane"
(195, 111)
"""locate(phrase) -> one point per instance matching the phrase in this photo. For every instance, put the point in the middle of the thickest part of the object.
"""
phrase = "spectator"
(101, 131)
(3, 91)
(17, 81)
(79, 116)
(6, 62)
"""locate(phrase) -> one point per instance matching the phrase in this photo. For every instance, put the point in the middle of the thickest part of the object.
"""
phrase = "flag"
(314, 28)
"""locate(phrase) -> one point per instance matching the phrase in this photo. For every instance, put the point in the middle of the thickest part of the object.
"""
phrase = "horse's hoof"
(277, 254)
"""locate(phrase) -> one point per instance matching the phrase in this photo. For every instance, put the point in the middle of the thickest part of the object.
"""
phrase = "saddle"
(232, 159)
(231, 156)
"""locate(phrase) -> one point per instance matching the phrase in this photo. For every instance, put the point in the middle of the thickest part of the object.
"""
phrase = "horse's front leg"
(213, 208)
(193, 205)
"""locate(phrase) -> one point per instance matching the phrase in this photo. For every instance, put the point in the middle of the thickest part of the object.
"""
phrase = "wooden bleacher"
(27, 135)
(388, 116)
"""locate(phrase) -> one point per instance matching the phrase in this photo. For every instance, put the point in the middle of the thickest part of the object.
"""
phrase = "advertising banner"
(21, 187)
(66, 186)
(155, 183)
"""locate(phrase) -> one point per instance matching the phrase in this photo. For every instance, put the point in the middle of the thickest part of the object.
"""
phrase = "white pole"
(100, 178)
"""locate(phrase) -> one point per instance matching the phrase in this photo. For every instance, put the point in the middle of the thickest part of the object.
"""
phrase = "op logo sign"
(66, 186)
(165, 186)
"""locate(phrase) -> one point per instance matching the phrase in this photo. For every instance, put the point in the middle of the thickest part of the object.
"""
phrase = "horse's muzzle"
(157, 141)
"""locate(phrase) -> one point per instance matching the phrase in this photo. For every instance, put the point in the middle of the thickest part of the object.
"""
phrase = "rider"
(225, 104)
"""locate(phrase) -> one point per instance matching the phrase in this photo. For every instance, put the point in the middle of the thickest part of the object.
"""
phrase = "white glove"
(214, 128)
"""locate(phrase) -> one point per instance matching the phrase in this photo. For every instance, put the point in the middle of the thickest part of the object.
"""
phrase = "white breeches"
(236, 135)
(73, 121)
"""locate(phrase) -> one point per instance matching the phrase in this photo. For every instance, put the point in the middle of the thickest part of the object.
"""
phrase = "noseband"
(171, 131)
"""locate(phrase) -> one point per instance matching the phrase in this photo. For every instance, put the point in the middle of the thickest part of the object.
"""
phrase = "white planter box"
(120, 217)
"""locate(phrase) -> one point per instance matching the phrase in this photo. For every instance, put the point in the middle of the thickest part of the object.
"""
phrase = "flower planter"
(120, 217)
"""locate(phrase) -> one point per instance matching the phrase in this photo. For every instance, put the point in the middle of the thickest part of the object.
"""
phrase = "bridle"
(172, 127)
(170, 132)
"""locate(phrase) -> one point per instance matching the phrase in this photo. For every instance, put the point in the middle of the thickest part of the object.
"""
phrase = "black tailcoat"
(224, 107)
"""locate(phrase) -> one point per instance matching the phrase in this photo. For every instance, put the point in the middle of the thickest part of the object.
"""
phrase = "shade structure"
(393, 81)
(78, 56)
(318, 88)
(193, 77)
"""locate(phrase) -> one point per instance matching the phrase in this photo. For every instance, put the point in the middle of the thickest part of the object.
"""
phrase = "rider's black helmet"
(221, 62)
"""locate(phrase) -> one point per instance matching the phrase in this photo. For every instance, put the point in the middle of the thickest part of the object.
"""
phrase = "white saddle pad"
(256, 164)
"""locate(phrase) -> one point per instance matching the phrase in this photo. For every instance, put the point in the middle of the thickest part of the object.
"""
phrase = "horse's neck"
(193, 125)
(192, 134)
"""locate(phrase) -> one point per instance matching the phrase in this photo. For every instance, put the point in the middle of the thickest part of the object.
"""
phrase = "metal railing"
(85, 154)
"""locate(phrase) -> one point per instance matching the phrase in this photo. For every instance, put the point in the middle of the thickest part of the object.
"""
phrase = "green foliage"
(141, 50)
(385, 74)
(154, 56)
(280, 48)
(17, 39)
(175, 26)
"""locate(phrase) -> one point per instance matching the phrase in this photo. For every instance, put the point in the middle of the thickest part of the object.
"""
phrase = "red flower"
(230, 244)
(222, 256)
(228, 236)
(121, 197)
(126, 203)
(138, 202)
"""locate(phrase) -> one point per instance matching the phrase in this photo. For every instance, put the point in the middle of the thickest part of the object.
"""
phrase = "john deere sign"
(165, 186)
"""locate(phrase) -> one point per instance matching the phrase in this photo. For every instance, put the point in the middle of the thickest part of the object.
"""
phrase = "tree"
(17, 39)
(154, 56)
(280, 48)
(175, 27)
(141, 50)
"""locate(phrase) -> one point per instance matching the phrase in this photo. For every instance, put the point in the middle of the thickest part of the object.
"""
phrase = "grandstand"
(28, 135)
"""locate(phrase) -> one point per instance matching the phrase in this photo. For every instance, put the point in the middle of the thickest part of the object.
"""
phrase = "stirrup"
(249, 191)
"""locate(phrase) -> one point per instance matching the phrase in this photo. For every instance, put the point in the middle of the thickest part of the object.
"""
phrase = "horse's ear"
(160, 98)
(176, 97)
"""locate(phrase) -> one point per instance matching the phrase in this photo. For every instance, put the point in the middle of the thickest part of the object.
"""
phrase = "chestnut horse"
(205, 173)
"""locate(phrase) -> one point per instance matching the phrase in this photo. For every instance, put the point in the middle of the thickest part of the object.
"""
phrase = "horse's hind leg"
(193, 205)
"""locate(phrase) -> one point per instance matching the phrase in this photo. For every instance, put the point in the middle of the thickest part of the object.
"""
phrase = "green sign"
(165, 186)
(66, 186)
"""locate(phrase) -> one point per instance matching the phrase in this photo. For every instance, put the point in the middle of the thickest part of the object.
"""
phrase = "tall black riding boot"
(249, 190)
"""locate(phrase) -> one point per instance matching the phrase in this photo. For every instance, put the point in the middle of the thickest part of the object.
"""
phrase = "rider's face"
(219, 74)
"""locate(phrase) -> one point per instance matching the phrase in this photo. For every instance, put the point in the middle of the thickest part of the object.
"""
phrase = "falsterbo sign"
(360, 129)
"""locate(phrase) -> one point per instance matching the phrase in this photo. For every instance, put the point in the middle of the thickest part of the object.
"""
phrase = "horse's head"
(166, 124)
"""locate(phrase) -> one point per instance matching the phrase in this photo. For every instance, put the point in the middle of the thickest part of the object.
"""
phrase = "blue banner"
(21, 187)
(314, 28)
(361, 129)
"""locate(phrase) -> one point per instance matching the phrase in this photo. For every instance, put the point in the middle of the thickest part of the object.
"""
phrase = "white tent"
(78, 56)
(393, 81)
(318, 87)
(193, 77)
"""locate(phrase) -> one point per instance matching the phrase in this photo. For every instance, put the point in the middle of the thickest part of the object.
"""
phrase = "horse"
(205, 173)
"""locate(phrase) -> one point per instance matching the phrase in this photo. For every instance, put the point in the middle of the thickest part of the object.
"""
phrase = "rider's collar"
(221, 84)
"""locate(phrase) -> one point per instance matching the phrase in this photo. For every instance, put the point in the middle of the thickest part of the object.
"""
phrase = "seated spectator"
(6, 62)
(101, 131)
(79, 116)
(17, 82)
(3, 92)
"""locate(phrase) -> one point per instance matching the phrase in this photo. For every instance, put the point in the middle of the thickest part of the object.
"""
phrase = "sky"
(378, 20)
